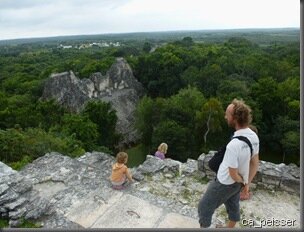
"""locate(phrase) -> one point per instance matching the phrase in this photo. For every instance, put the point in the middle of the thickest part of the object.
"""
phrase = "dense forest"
(189, 77)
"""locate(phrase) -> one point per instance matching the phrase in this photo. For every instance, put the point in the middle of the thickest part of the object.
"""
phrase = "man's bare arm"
(254, 165)
(234, 173)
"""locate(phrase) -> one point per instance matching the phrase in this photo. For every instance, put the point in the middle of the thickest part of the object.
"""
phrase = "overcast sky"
(41, 18)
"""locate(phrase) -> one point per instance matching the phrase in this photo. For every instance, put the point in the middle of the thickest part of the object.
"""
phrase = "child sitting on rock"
(120, 176)
(161, 151)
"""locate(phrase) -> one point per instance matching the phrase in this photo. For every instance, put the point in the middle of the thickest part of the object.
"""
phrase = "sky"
(45, 18)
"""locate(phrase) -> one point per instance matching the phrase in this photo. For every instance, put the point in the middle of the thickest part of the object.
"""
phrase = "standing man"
(236, 170)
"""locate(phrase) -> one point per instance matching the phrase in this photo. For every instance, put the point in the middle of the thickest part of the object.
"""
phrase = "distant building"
(65, 46)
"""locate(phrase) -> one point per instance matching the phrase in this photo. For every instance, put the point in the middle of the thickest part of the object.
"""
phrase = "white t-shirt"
(238, 156)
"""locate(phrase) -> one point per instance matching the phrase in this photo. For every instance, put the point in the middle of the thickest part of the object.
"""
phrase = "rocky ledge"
(56, 191)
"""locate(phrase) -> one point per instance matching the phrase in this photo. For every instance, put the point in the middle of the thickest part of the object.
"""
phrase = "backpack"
(215, 162)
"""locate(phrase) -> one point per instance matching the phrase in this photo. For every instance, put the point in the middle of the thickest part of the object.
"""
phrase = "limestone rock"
(5, 170)
(57, 191)
(269, 175)
(190, 167)
(118, 86)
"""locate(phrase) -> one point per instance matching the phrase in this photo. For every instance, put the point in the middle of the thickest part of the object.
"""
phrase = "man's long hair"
(242, 112)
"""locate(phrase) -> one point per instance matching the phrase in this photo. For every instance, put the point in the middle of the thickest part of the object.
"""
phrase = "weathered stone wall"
(54, 187)
(269, 175)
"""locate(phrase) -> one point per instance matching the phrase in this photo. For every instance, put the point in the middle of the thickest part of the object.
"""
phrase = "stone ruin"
(57, 191)
(118, 86)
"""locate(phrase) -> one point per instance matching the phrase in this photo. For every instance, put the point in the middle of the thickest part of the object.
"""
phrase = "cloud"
(21, 4)
(9, 4)
(34, 18)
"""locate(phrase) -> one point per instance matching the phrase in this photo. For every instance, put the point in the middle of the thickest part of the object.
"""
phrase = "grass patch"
(21, 163)
(223, 213)
(202, 180)
(186, 194)
(29, 224)
(137, 155)
(149, 177)
(4, 223)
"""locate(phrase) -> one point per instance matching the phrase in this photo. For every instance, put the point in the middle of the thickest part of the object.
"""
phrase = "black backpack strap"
(246, 140)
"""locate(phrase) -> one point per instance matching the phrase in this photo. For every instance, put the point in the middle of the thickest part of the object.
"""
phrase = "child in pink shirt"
(161, 151)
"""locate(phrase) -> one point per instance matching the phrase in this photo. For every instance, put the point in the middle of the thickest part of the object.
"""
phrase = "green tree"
(3, 110)
(145, 112)
(49, 113)
(210, 77)
(287, 133)
(169, 77)
(231, 88)
(191, 76)
(183, 106)
(175, 136)
(291, 145)
(102, 114)
(82, 128)
(187, 41)
(23, 146)
(211, 116)
(20, 110)
(147, 47)
(289, 93)
(265, 93)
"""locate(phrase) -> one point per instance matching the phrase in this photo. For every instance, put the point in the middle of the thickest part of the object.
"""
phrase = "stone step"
(174, 220)
(130, 212)
(125, 211)
(86, 212)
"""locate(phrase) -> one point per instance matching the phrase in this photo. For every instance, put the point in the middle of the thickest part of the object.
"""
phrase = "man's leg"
(208, 203)
(231, 224)
(233, 208)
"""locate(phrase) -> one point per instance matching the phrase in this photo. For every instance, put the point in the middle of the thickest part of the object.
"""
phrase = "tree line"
(188, 83)
(182, 73)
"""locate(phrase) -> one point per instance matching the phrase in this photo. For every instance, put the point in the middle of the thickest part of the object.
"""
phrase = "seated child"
(161, 151)
(120, 173)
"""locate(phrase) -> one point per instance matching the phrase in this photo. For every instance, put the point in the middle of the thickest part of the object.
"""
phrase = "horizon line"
(143, 32)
